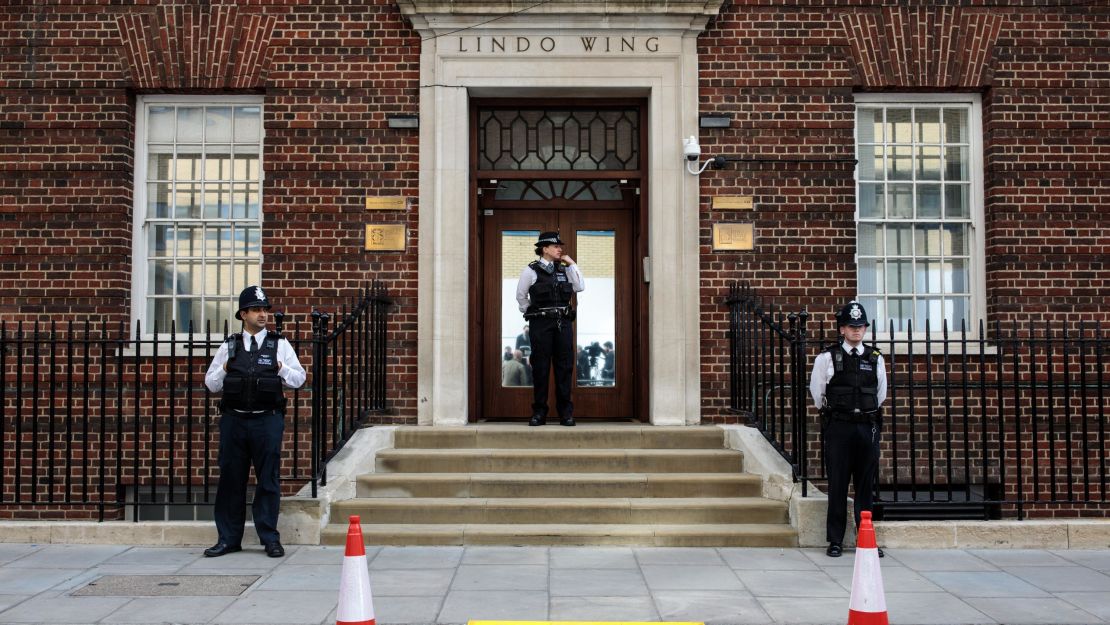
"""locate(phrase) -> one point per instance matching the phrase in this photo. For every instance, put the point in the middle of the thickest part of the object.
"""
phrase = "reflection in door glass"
(517, 250)
(595, 355)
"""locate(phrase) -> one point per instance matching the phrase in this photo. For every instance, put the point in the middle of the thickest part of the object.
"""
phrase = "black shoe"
(221, 549)
(275, 550)
(834, 550)
(537, 419)
(881, 554)
(567, 421)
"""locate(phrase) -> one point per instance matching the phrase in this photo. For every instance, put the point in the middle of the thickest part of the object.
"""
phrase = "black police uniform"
(251, 427)
(851, 434)
(551, 334)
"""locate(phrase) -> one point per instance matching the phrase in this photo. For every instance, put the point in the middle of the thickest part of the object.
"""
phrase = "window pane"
(159, 162)
(900, 204)
(899, 240)
(955, 125)
(190, 120)
(955, 240)
(901, 310)
(218, 124)
(217, 312)
(928, 201)
(870, 125)
(871, 201)
(960, 311)
(956, 200)
(217, 201)
(218, 241)
(931, 309)
(248, 123)
(927, 239)
(928, 162)
(517, 250)
(158, 200)
(160, 277)
(188, 311)
(958, 279)
(187, 201)
(159, 312)
(158, 237)
(217, 163)
(928, 276)
(898, 125)
(871, 277)
(901, 163)
(870, 240)
(955, 164)
(160, 123)
(247, 243)
(188, 240)
(871, 163)
(928, 125)
(596, 325)
(246, 166)
(190, 279)
(188, 162)
(899, 276)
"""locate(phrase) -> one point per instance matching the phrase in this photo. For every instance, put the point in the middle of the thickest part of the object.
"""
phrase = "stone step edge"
(564, 477)
(549, 451)
(560, 502)
(337, 534)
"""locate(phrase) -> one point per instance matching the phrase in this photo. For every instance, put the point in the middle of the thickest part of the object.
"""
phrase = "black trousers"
(851, 453)
(552, 343)
(245, 441)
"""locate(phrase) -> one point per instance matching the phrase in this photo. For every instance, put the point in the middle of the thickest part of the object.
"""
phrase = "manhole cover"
(167, 586)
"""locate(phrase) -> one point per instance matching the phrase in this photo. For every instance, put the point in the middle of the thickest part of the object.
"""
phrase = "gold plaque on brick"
(733, 202)
(385, 203)
(385, 237)
(733, 236)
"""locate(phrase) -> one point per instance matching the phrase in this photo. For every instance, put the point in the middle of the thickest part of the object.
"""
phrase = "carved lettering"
(628, 45)
(462, 48)
(527, 43)
(547, 44)
(498, 42)
(588, 43)
(652, 44)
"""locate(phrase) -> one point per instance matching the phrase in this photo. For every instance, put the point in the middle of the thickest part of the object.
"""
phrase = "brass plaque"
(385, 203)
(385, 237)
(733, 202)
(734, 236)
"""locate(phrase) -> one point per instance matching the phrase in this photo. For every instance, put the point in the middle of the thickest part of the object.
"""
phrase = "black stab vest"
(252, 381)
(552, 288)
(854, 386)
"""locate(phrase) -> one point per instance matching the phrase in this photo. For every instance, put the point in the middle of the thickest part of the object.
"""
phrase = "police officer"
(544, 293)
(848, 385)
(251, 367)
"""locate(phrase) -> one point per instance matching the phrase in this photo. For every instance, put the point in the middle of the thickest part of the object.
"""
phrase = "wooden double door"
(602, 239)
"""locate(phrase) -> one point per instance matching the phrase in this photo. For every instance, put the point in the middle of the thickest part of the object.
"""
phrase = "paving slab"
(598, 582)
(1098, 559)
(812, 611)
(676, 555)
(280, 606)
(7, 601)
(410, 582)
(766, 559)
(462, 606)
(1028, 611)
(303, 577)
(405, 610)
(157, 556)
(251, 560)
(688, 577)
(1096, 603)
(101, 570)
(67, 556)
(895, 579)
(1019, 557)
(500, 577)
(808, 584)
(59, 608)
(325, 555)
(603, 609)
(818, 557)
(983, 584)
(33, 581)
(943, 560)
(1063, 579)
(14, 551)
(709, 606)
(505, 555)
(169, 610)
(417, 558)
(927, 608)
(592, 558)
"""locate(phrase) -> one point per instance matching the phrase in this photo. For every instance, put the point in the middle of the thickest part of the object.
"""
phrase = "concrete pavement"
(50, 584)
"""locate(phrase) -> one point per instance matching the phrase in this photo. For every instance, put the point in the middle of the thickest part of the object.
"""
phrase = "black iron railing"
(95, 417)
(1000, 419)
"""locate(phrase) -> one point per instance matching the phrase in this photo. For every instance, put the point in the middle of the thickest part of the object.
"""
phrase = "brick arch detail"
(899, 47)
(196, 47)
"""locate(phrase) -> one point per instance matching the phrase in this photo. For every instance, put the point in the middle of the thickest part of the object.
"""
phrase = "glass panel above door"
(595, 352)
(570, 190)
(595, 139)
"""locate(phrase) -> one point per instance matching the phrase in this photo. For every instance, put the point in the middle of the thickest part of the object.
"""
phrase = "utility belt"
(250, 414)
(872, 416)
(555, 312)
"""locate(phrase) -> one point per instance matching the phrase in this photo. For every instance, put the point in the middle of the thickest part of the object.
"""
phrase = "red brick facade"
(331, 71)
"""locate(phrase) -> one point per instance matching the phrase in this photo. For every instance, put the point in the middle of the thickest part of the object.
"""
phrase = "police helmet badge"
(853, 314)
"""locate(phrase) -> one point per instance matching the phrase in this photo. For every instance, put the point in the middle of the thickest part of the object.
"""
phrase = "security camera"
(691, 149)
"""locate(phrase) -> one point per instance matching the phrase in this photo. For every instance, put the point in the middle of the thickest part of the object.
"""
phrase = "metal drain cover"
(167, 586)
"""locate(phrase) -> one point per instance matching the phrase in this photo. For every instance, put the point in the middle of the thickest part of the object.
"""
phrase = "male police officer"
(543, 293)
(250, 368)
(848, 385)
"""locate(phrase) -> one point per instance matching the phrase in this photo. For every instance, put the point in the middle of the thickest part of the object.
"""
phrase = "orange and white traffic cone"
(868, 603)
(356, 604)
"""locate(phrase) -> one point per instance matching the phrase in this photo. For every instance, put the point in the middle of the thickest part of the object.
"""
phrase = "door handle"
(647, 269)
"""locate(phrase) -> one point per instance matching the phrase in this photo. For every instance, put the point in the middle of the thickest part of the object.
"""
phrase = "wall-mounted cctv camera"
(691, 149)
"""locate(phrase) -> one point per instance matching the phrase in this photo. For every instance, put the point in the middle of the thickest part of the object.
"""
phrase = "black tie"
(855, 352)
(254, 345)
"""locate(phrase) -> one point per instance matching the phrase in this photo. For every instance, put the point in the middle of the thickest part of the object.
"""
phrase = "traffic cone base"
(356, 603)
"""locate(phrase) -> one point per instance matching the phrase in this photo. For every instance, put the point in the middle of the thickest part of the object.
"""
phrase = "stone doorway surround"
(562, 49)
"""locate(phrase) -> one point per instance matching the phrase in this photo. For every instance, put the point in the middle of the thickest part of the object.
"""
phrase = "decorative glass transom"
(539, 190)
(553, 139)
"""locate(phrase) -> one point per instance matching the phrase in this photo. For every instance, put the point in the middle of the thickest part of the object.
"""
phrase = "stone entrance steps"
(593, 484)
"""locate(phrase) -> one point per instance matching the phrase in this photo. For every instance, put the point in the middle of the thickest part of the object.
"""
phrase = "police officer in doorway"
(848, 385)
(544, 293)
(251, 367)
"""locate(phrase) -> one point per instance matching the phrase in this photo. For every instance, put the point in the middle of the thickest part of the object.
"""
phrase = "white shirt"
(528, 278)
(823, 370)
(291, 373)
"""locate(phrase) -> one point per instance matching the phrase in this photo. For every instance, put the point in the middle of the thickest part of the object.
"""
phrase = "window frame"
(140, 256)
(976, 208)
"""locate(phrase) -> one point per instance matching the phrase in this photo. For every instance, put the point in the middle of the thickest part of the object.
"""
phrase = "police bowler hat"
(548, 238)
(252, 297)
(852, 314)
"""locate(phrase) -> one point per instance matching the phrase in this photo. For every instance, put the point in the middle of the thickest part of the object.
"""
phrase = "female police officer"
(543, 293)
(250, 368)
